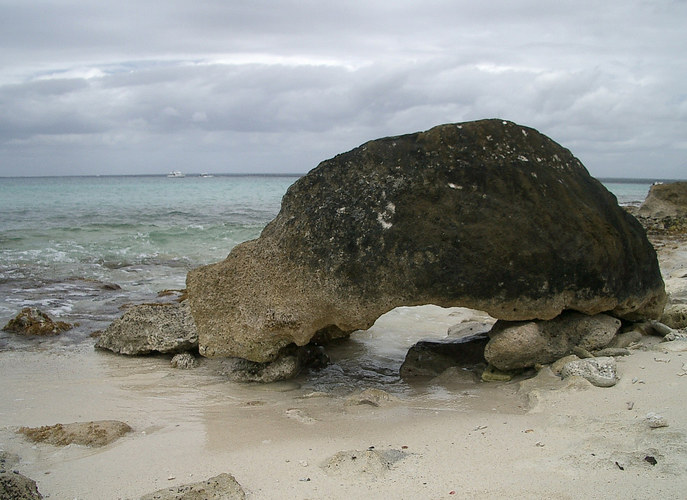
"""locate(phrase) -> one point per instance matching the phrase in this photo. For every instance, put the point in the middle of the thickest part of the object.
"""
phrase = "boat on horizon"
(175, 173)
(206, 175)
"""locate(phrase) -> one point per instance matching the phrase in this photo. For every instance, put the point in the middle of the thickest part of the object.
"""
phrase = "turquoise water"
(64, 241)
(82, 247)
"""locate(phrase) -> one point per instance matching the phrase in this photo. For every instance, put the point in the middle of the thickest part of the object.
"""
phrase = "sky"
(275, 86)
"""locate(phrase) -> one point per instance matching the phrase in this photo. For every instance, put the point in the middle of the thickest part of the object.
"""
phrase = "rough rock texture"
(8, 460)
(601, 372)
(184, 361)
(290, 362)
(14, 486)
(146, 328)
(515, 345)
(432, 358)
(221, 487)
(33, 321)
(665, 200)
(369, 464)
(488, 215)
(92, 434)
(675, 316)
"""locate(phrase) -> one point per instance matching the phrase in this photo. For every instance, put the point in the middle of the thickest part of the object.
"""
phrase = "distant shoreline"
(192, 175)
(619, 180)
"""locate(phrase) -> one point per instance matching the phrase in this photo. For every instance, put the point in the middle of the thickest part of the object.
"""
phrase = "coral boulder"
(488, 215)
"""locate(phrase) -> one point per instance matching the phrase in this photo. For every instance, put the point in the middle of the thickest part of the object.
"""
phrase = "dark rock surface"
(147, 328)
(488, 215)
(429, 358)
(33, 321)
(290, 362)
(14, 486)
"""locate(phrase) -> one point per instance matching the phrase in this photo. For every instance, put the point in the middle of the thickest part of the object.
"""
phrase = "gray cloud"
(147, 87)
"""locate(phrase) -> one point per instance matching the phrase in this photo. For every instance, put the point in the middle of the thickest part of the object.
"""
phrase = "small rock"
(675, 316)
(557, 366)
(626, 339)
(33, 321)
(678, 345)
(94, 434)
(493, 374)
(223, 486)
(676, 335)
(656, 421)
(601, 372)
(660, 329)
(184, 361)
(370, 463)
(289, 363)
(14, 486)
(581, 352)
(372, 397)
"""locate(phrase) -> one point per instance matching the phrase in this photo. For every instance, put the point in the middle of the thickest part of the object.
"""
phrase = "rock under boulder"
(488, 215)
(665, 200)
(523, 344)
(430, 358)
(675, 316)
(33, 321)
(147, 328)
(290, 362)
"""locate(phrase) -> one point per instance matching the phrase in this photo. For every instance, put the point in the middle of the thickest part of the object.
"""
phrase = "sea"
(82, 249)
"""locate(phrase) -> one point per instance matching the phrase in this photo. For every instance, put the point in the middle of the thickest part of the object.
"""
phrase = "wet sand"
(535, 439)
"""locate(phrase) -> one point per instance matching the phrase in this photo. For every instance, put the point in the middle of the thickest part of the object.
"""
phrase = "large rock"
(146, 328)
(522, 344)
(665, 200)
(488, 215)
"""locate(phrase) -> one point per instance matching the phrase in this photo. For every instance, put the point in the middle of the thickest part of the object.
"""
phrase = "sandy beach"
(450, 438)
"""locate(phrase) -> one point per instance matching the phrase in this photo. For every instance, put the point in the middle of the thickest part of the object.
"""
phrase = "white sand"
(461, 441)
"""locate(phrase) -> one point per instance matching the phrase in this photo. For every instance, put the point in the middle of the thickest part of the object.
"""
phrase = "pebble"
(656, 421)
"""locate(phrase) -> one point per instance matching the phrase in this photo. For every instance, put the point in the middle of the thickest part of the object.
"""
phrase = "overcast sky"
(150, 86)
